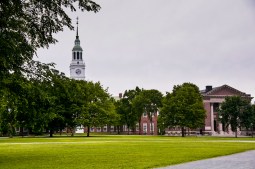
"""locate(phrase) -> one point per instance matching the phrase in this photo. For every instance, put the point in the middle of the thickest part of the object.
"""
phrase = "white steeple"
(77, 66)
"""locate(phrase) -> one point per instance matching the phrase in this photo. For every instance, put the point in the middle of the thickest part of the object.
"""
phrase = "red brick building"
(212, 98)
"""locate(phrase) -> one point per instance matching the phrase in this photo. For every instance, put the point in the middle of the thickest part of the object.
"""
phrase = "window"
(17, 129)
(125, 128)
(98, 129)
(112, 128)
(152, 114)
(74, 57)
(144, 114)
(145, 127)
(152, 127)
(92, 129)
(137, 127)
(81, 55)
(78, 56)
(105, 128)
(216, 107)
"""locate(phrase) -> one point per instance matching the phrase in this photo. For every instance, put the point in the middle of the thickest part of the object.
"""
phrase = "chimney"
(208, 88)
(120, 95)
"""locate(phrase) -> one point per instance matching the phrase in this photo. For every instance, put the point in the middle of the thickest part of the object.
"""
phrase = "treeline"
(43, 99)
(46, 99)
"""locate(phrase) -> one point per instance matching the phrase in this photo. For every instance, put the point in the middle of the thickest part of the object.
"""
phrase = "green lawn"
(114, 151)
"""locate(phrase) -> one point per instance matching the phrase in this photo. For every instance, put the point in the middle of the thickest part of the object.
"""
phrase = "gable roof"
(215, 91)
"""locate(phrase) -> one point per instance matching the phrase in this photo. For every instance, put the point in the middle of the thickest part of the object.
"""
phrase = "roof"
(215, 92)
(77, 47)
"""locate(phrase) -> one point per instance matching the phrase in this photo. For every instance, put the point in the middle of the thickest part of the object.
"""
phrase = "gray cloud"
(157, 44)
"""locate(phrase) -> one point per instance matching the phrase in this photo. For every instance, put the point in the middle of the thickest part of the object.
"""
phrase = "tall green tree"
(27, 99)
(126, 110)
(183, 108)
(248, 118)
(97, 108)
(253, 121)
(149, 102)
(236, 112)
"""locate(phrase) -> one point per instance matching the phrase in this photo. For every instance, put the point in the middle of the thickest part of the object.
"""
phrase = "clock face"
(78, 71)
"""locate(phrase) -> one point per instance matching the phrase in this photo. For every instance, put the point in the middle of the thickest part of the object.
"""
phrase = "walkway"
(245, 160)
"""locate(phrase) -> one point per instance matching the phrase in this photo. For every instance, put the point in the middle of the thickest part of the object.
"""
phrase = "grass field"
(114, 151)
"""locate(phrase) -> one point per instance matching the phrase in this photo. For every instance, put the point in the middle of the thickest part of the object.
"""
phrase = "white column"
(220, 128)
(212, 119)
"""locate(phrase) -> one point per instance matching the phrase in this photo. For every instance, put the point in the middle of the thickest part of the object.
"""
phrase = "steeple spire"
(77, 40)
(77, 22)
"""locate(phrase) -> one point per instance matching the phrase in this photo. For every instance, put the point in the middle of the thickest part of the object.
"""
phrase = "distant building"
(212, 98)
(147, 127)
(77, 66)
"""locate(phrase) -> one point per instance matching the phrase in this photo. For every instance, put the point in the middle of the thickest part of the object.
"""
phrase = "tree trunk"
(252, 132)
(10, 130)
(118, 129)
(88, 130)
(236, 133)
(22, 131)
(183, 134)
(151, 128)
(108, 128)
(121, 129)
(51, 133)
(139, 125)
(72, 131)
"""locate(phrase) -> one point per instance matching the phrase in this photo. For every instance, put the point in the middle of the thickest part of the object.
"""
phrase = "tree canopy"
(149, 102)
(236, 112)
(183, 107)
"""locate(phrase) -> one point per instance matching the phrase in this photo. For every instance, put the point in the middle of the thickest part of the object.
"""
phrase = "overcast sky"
(155, 44)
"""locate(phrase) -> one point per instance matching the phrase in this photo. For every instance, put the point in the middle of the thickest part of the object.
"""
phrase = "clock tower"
(77, 66)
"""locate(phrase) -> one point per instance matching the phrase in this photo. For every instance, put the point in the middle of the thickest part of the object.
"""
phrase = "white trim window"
(105, 128)
(144, 127)
(112, 128)
(152, 127)
(98, 129)
(137, 127)
(144, 114)
(152, 114)
(17, 129)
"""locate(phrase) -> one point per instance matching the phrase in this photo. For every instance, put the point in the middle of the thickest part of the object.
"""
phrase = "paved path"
(245, 160)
